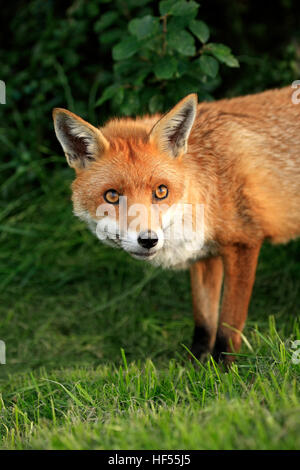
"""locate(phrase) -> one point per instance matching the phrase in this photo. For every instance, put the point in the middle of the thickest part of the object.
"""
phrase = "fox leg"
(240, 264)
(206, 282)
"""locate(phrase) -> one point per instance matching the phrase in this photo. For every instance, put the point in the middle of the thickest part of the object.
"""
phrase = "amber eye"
(112, 196)
(161, 192)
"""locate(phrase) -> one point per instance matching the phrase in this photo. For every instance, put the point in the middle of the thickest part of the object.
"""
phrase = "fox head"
(130, 175)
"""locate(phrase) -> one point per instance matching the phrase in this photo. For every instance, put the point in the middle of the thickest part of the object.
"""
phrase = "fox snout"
(143, 244)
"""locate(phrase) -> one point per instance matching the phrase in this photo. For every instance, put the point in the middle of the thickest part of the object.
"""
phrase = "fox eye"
(161, 192)
(112, 196)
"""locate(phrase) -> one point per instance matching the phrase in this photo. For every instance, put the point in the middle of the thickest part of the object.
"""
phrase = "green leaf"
(125, 49)
(182, 42)
(176, 23)
(108, 93)
(118, 97)
(143, 72)
(200, 29)
(110, 36)
(183, 8)
(165, 68)
(209, 65)
(143, 27)
(165, 7)
(231, 61)
(106, 20)
(222, 53)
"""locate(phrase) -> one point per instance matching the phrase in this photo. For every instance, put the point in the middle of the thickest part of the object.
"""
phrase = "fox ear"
(81, 142)
(172, 131)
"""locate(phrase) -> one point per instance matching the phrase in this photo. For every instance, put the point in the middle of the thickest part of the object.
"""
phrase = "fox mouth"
(142, 255)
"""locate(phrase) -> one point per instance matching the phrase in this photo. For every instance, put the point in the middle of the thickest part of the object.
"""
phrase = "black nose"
(148, 239)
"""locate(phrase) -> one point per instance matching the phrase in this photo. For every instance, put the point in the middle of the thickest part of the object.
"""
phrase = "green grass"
(95, 344)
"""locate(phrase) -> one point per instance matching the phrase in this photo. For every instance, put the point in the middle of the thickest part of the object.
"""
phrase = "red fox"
(237, 158)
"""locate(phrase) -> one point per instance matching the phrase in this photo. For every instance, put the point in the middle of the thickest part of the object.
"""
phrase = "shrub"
(160, 59)
(129, 57)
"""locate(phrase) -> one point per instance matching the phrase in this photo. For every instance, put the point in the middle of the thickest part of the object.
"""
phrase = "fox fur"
(239, 158)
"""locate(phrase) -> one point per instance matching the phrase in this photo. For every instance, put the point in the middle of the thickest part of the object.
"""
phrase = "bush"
(134, 57)
(162, 58)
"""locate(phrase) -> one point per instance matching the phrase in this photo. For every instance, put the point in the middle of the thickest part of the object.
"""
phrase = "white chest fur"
(180, 254)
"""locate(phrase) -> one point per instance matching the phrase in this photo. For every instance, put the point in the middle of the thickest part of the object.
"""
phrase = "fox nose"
(147, 239)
